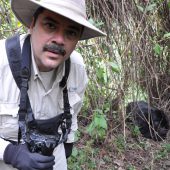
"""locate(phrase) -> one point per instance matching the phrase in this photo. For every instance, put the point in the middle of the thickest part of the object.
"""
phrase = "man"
(55, 28)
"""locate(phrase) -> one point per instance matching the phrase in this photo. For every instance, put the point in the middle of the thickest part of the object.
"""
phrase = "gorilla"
(152, 122)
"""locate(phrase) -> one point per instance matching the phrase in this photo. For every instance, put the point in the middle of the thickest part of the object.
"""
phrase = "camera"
(43, 136)
(42, 143)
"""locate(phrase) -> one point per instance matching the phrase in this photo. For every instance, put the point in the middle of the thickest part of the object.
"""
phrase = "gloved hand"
(21, 158)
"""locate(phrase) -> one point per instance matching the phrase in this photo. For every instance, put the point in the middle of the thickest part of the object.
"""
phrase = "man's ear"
(32, 25)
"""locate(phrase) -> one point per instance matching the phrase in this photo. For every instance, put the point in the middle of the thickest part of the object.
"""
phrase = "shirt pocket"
(9, 120)
(8, 113)
(9, 92)
(74, 98)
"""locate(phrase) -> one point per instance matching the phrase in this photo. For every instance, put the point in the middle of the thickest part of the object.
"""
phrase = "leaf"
(99, 121)
(115, 67)
(150, 7)
(167, 35)
(102, 74)
(90, 128)
(91, 21)
(99, 73)
(140, 8)
(98, 126)
(103, 123)
(157, 49)
(19, 24)
(167, 147)
(97, 24)
(75, 152)
(147, 9)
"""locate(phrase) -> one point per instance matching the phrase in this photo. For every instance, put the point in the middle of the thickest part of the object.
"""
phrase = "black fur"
(152, 122)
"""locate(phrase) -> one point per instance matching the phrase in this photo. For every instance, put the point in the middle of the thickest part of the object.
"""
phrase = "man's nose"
(59, 38)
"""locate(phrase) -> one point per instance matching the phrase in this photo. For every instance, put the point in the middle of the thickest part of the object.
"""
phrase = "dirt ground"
(136, 153)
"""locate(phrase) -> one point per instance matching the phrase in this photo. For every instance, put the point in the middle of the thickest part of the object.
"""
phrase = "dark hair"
(37, 13)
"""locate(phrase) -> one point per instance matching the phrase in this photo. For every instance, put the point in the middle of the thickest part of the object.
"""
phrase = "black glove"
(20, 157)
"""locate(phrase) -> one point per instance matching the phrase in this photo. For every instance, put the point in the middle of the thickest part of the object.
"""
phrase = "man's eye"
(50, 25)
(72, 34)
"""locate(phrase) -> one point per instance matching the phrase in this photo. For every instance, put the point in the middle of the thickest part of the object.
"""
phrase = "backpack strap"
(66, 126)
(13, 51)
(20, 65)
(25, 74)
(24, 99)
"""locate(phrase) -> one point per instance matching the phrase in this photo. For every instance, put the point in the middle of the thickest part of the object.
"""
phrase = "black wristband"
(68, 149)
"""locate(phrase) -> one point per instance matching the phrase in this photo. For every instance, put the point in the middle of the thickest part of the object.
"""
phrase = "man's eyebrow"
(51, 19)
(77, 28)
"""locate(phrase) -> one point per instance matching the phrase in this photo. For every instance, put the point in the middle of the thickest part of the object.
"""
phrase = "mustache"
(55, 48)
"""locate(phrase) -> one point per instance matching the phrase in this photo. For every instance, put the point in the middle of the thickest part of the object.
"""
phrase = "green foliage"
(157, 49)
(135, 92)
(97, 24)
(9, 24)
(163, 152)
(166, 35)
(148, 8)
(135, 130)
(114, 67)
(102, 74)
(98, 127)
(120, 143)
(131, 167)
(82, 159)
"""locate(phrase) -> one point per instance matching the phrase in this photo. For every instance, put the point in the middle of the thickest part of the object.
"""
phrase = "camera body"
(42, 136)
(42, 143)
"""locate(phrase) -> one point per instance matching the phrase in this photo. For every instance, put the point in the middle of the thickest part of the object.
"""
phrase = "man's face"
(53, 37)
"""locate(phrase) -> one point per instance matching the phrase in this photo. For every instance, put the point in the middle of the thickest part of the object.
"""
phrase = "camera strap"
(20, 65)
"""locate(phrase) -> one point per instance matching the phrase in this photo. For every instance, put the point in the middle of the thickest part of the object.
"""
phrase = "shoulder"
(3, 56)
(78, 76)
(77, 64)
(76, 58)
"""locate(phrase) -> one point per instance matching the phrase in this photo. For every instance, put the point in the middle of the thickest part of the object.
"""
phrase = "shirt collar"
(35, 71)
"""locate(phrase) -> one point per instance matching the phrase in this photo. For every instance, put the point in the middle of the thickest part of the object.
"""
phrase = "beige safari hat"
(74, 10)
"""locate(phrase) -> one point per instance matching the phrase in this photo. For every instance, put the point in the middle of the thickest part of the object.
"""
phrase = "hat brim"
(25, 9)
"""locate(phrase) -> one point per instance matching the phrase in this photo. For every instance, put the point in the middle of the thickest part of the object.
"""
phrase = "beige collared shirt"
(46, 98)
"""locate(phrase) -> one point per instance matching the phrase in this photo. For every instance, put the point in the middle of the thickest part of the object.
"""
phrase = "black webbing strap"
(24, 99)
(13, 51)
(67, 115)
(63, 82)
(25, 76)
(20, 69)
